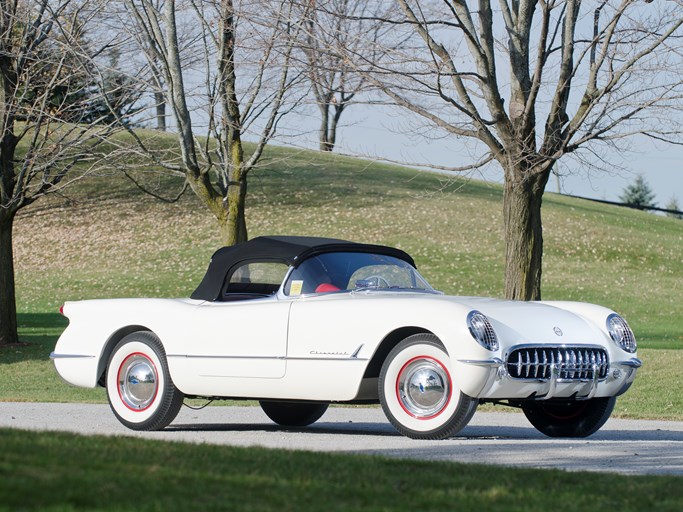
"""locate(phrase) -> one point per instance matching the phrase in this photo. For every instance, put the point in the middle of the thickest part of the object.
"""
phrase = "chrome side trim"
(54, 355)
(351, 359)
(195, 356)
(269, 358)
(355, 353)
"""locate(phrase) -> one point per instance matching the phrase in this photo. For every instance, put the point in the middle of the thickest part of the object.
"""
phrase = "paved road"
(623, 446)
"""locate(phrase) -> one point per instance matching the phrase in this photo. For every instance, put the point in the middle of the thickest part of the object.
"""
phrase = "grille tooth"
(564, 361)
(570, 364)
(574, 363)
(603, 365)
(579, 362)
(531, 365)
(571, 357)
(546, 368)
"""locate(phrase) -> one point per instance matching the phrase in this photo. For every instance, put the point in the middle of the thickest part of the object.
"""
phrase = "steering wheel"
(381, 282)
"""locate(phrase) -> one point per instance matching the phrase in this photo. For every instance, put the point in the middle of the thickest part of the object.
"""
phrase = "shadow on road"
(471, 432)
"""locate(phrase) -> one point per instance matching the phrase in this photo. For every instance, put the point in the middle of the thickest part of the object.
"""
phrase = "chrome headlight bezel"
(621, 334)
(482, 331)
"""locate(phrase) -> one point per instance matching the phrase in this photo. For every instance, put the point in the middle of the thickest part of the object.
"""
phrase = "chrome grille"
(572, 363)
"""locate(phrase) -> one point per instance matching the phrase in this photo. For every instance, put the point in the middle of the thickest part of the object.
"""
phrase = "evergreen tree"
(639, 194)
(112, 98)
(673, 205)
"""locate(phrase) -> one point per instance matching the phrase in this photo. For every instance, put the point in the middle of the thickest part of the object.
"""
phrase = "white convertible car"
(298, 323)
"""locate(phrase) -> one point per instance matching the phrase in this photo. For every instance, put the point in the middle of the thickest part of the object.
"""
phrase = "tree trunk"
(523, 234)
(324, 128)
(8, 308)
(160, 101)
(234, 228)
(332, 132)
(328, 126)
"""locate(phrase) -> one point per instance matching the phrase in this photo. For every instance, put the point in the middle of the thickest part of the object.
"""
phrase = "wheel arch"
(109, 348)
(386, 345)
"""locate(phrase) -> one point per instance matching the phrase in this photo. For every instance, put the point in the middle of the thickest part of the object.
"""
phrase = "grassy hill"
(111, 240)
(107, 239)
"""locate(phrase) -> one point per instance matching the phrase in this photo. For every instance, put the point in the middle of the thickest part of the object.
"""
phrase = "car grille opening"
(573, 363)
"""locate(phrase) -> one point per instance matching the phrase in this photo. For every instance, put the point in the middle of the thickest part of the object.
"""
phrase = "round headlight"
(621, 333)
(482, 330)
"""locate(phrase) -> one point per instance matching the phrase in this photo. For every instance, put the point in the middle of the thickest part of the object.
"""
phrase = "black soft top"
(291, 250)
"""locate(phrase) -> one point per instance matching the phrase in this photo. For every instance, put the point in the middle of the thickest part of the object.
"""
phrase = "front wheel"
(417, 391)
(139, 387)
(293, 414)
(578, 418)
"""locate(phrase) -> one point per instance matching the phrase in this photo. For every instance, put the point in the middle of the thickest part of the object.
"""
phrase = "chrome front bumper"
(500, 384)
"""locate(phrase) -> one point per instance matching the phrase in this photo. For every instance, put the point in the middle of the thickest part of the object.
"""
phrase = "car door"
(241, 338)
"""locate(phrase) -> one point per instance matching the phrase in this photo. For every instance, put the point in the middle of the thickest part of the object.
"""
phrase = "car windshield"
(348, 271)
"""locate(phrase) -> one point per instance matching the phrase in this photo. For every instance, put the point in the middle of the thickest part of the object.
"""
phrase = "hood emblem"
(557, 331)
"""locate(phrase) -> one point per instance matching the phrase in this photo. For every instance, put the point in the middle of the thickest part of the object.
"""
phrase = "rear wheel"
(139, 387)
(417, 391)
(577, 418)
(293, 414)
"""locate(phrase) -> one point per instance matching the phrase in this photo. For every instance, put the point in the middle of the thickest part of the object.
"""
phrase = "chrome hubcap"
(137, 382)
(423, 388)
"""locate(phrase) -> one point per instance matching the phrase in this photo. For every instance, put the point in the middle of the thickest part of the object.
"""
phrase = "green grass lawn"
(65, 472)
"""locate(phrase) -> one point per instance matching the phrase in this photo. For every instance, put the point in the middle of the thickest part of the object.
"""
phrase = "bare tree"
(156, 76)
(244, 50)
(531, 81)
(139, 58)
(333, 30)
(46, 79)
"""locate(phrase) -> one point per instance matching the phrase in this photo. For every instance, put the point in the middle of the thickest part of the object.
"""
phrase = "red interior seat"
(327, 288)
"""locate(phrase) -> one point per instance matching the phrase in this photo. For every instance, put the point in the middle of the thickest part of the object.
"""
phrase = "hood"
(534, 322)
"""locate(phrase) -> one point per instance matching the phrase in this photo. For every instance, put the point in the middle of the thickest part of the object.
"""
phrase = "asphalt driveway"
(621, 446)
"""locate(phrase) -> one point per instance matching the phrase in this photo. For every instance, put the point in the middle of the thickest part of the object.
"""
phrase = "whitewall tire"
(418, 392)
(139, 387)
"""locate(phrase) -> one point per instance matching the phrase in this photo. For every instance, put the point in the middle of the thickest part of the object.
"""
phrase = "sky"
(372, 131)
(368, 134)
